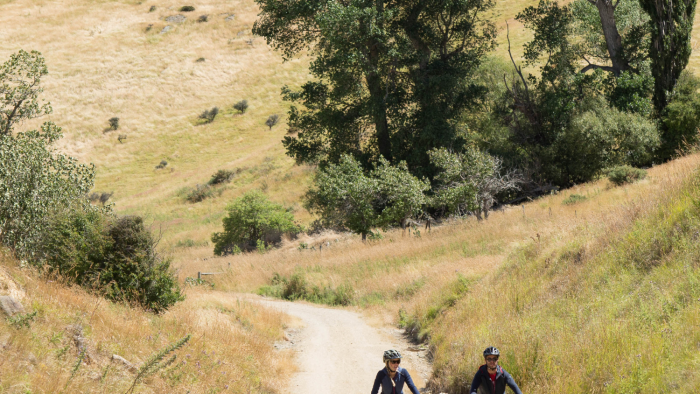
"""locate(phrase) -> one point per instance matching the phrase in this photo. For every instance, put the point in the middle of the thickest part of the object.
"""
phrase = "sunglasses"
(491, 358)
(395, 361)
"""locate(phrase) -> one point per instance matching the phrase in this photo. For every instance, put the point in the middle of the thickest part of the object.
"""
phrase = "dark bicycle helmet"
(492, 351)
(391, 354)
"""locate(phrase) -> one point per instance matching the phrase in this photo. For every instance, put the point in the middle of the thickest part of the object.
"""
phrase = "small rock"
(4, 341)
(230, 17)
(166, 29)
(10, 306)
(176, 18)
(203, 18)
(121, 360)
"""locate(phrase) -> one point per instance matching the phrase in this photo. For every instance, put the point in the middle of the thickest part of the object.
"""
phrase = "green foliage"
(20, 77)
(209, 114)
(114, 256)
(388, 195)
(401, 194)
(681, 117)
(389, 78)
(114, 123)
(35, 183)
(669, 50)
(200, 193)
(272, 120)
(621, 175)
(251, 218)
(574, 199)
(221, 176)
(469, 181)
(186, 8)
(632, 25)
(158, 362)
(565, 126)
(22, 319)
(198, 282)
(241, 106)
(603, 137)
(161, 165)
(297, 288)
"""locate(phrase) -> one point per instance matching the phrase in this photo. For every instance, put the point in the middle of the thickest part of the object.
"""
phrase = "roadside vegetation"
(424, 174)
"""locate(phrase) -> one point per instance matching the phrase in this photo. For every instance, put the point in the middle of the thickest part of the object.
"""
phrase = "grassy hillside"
(104, 61)
(231, 348)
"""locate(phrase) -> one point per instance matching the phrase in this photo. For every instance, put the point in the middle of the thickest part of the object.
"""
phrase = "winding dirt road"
(338, 352)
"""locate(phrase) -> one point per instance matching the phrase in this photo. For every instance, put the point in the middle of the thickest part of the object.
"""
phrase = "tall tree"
(671, 28)
(390, 76)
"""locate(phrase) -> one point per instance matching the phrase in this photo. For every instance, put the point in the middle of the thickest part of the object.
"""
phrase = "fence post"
(199, 275)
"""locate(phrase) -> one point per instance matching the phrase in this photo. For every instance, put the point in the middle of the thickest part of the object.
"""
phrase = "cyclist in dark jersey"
(392, 377)
(491, 378)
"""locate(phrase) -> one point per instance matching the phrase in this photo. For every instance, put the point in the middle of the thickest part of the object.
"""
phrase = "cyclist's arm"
(377, 382)
(409, 383)
(511, 383)
(475, 384)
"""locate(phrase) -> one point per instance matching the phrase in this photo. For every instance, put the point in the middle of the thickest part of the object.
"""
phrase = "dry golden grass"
(378, 270)
(103, 63)
(230, 350)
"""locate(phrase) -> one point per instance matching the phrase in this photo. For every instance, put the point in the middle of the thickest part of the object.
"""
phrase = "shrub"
(681, 118)
(114, 123)
(272, 120)
(186, 8)
(222, 176)
(162, 164)
(121, 138)
(200, 193)
(114, 256)
(200, 60)
(209, 115)
(36, 182)
(625, 174)
(153, 8)
(203, 18)
(573, 199)
(241, 106)
(252, 218)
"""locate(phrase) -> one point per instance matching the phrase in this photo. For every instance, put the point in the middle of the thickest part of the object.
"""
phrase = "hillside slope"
(105, 61)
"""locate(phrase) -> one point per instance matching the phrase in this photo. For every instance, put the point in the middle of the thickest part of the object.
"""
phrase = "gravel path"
(337, 352)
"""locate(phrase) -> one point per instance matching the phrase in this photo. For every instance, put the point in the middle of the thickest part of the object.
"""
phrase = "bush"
(241, 106)
(153, 8)
(221, 176)
(272, 120)
(681, 118)
(252, 218)
(114, 256)
(162, 164)
(35, 183)
(114, 123)
(186, 8)
(573, 199)
(200, 193)
(121, 138)
(203, 18)
(209, 115)
(625, 174)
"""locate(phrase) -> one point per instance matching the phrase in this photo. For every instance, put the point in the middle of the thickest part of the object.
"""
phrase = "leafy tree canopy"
(252, 218)
(390, 77)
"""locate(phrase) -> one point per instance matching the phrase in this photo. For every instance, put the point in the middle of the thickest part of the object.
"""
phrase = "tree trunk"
(606, 10)
(364, 237)
(377, 94)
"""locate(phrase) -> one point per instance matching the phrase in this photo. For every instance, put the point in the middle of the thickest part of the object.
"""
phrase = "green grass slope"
(613, 309)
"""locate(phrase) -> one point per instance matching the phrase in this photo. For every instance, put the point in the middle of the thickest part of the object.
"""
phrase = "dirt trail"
(338, 352)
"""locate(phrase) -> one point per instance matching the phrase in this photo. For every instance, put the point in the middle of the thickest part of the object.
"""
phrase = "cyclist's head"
(491, 354)
(390, 357)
